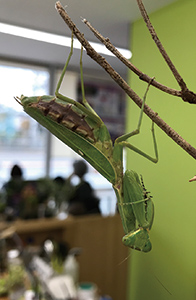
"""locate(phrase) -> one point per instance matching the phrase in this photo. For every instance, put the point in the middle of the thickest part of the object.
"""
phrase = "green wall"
(172, 261)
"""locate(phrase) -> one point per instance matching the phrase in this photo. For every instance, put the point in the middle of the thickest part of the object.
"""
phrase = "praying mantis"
(79, 127)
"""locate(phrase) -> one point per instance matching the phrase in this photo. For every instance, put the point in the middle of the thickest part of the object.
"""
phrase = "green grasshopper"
(79, 127)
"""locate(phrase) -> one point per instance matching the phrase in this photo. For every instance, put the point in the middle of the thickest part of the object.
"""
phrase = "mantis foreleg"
(137, 210)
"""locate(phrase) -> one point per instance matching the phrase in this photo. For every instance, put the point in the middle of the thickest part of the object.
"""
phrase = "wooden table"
(103, 258)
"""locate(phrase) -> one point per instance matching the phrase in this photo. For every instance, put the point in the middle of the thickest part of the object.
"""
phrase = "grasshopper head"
(138, 240)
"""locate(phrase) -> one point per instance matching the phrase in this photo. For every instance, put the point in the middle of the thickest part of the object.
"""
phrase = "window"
(22, 140)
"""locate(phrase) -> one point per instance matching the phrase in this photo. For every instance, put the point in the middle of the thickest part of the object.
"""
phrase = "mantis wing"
(70, 137)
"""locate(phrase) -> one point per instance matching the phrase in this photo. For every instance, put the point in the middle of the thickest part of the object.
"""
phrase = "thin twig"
(125, 61)
(122, 83)
(186, 94)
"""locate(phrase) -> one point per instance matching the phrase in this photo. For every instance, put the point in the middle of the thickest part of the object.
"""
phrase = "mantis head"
(138, 240)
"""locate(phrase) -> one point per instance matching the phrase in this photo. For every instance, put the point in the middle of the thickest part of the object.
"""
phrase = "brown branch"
(125, 61)
(122, 83)
(186, 94)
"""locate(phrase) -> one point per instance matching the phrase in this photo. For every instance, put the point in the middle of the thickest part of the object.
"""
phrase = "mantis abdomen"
(65, 115)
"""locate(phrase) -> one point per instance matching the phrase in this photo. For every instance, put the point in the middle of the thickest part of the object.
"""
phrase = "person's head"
(59, 180)
(16, 172)
(80, 168)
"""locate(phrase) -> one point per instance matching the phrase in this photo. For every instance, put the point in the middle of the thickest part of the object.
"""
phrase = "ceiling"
(112, 18)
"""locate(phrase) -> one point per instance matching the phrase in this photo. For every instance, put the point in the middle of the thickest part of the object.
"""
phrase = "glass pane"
(22, 140)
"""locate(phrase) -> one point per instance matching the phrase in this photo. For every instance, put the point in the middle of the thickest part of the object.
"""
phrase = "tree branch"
(186, 94)
(125, 61)
(122, 83)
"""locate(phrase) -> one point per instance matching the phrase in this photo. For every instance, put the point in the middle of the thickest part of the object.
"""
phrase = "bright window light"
(56, 39)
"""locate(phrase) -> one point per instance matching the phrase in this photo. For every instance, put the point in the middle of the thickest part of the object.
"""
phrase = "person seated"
(82, 201)
(12, 190)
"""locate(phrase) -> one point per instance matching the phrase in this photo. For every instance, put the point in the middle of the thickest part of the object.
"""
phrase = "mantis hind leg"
(84, 101)
(64, 70)
(85, 108)
(138, 240)
(122, 139)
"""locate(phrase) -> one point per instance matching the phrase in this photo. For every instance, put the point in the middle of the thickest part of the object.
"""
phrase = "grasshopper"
(79, 127)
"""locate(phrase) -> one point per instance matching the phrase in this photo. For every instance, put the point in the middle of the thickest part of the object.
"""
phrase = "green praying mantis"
(79, 127)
